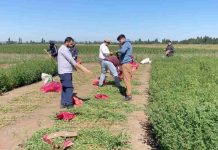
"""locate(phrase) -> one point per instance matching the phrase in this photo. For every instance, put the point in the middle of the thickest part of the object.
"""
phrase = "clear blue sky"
(98, 19)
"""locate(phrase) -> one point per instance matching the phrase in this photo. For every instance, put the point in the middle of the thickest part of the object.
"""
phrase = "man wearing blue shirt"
(125, 60)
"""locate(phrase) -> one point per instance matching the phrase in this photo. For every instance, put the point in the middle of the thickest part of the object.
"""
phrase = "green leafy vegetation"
(183, 108)
(93, 49)
(183, 94)
(94, 122)
(92, 139)
(25, 73)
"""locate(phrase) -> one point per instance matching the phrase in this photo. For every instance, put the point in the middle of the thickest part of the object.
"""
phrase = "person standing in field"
(74, 52)
(106, 64)
(66, 65)
(170, 49)
(53, 49)
(104, 50)
(125, 60)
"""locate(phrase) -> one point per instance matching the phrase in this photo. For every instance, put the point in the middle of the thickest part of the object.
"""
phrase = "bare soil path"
(31, 109)
(36, 115)
(138, 119)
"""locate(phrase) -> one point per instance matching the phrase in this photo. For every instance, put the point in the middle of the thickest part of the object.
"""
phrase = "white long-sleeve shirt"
(103, 51)
(65, 60)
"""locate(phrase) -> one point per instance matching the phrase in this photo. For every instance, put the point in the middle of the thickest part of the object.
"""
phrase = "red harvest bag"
(134, 65)
(66, 116)
(96, 82)
(51, 87)
(120, 72)
(77, 102)
(101, 96)
(66, 144)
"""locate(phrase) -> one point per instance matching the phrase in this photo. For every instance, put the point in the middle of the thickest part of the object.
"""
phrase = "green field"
(14, 53)
(183, 108)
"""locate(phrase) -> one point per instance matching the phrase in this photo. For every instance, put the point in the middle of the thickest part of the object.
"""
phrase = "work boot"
(122, 90)
(128, 98)
(100, 85)
(62, 106)
(70, 106)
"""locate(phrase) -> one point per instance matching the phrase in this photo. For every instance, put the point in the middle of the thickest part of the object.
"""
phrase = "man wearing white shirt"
(104, 52)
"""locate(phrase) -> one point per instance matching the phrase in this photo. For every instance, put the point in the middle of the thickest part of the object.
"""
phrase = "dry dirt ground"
(26, 110)
(137, 120)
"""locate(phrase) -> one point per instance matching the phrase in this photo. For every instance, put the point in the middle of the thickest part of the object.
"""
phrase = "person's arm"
(124, 48)
(67, 55)
(69, 58)
(82, 68)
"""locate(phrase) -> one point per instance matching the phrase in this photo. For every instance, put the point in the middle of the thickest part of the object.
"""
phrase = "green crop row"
(184, 103)
(25, 73)
(94, 49)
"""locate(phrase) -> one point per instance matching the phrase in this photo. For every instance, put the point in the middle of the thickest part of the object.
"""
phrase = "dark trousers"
(67, 89)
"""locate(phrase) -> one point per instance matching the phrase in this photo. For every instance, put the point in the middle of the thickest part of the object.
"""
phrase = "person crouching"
(106, 64)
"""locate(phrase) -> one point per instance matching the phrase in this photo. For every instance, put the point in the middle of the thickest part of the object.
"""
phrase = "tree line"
(197, 40)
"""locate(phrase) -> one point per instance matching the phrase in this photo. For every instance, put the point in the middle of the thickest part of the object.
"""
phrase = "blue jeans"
(105, 66)
(67, 89)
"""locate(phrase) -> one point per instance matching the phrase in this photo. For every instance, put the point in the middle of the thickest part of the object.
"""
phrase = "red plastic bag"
(134, 65)
(96, 82)
(51, 87)
(66, 116)
(101, 96)
(67, 143)
(120, 72)
(77, 102)
(47, 140)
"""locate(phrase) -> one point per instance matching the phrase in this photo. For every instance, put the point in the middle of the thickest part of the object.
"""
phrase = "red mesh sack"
(66, 116)
(77, 102)
(51, 87)
(101, 96)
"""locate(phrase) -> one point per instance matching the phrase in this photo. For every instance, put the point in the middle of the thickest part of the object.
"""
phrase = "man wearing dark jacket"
(170, 49)
(74, 52)
(53, 49)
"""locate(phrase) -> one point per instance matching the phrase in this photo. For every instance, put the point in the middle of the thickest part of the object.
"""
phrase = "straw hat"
(107, 41)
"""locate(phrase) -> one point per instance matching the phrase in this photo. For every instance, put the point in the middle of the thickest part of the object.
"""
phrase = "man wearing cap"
(125, 59)
(104, 53)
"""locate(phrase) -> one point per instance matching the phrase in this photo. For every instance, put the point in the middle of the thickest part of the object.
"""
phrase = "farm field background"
(183, 107)
(10, 54)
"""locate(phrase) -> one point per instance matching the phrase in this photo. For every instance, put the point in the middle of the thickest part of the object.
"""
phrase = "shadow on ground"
(149, 137)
